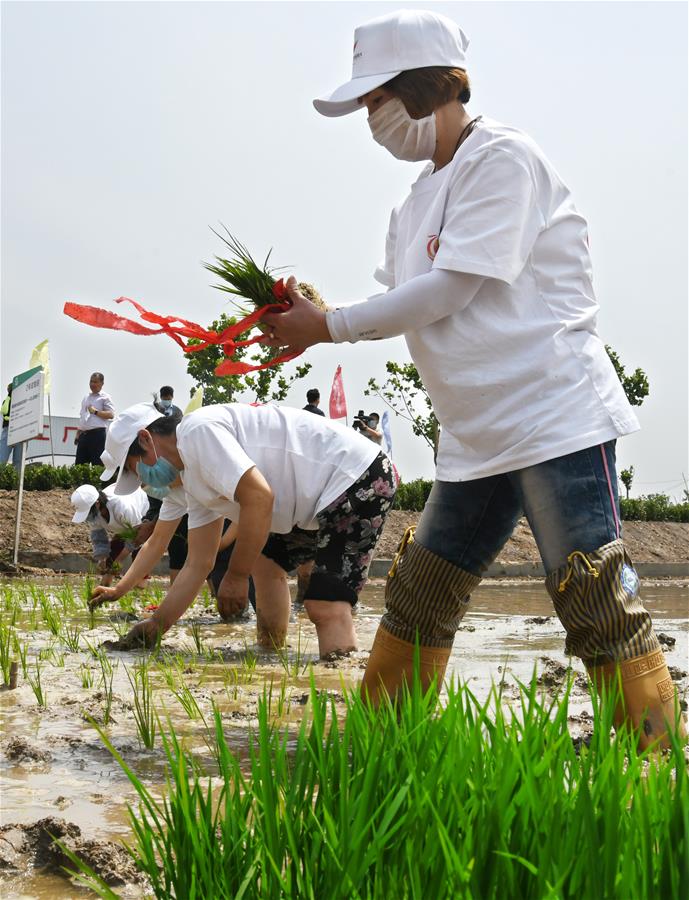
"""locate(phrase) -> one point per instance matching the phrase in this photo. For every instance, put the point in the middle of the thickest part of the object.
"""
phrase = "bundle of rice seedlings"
(242, 276)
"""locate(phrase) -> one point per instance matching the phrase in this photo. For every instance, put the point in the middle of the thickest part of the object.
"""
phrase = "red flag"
(338, 403)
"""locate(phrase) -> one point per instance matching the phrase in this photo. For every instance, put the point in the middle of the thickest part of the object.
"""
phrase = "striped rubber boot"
(425, 599)
(596, 597)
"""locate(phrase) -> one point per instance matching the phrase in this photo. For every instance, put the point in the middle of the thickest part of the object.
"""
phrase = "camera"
(360, 420)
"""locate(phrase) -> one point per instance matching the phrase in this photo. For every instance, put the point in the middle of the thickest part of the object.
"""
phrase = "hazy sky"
(129, 128)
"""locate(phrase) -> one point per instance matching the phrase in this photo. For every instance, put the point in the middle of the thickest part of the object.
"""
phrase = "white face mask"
(393, 128)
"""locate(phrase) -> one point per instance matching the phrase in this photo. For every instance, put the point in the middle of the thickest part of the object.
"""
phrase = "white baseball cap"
(384, 47)
(83, 498)
(121, 434)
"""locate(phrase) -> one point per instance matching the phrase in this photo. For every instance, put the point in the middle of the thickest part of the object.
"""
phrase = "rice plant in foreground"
(465, 801)
(144, 709)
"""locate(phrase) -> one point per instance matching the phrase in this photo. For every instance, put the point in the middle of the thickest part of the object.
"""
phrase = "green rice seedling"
(87, 587)
(51, 617)
(66, 597)
(416, 800)
(37, 687)
(144, 709)
(72, 637)
(299, 662)
(196, 637)
(86, 676)
(7, 641)
(187, 700)
(107, 674)
(21, 650)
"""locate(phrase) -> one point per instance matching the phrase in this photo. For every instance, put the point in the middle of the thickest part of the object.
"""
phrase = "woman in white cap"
(489, 279)
(299, 487)
(107, 514)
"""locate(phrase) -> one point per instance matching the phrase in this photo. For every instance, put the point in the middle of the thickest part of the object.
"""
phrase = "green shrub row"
(46, 478)
(412, 496)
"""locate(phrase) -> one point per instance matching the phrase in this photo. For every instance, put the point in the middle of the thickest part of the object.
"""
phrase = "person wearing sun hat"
(108, 515)
(489, 279)
(299, 487)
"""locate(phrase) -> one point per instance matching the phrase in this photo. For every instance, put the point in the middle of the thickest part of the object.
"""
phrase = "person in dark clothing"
(313, 398)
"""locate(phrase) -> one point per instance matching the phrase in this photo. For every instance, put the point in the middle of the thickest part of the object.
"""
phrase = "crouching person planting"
(298, 487)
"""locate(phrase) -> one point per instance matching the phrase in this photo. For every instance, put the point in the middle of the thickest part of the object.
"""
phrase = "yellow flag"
(40, 356)
(196, 401)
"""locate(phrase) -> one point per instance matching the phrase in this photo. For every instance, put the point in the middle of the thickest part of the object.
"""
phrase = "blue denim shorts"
(571, 503)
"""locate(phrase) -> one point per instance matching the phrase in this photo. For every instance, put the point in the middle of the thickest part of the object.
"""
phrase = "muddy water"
(53, 762)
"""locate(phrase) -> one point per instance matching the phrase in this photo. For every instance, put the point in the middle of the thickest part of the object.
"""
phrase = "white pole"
(50, 431)
(20, 497)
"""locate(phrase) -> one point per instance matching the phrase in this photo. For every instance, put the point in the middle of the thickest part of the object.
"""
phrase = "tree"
(268, 384)
(404, 392)
(635, 385)
(626, 477)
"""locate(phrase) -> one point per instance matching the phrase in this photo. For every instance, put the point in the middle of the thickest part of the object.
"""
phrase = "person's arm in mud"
(203, 548)
(255, 499)
(151, 552)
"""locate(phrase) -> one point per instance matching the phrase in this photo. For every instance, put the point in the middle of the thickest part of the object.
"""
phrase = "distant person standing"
(165, 403)
(96, 412)
(313, 398)
(5, 450)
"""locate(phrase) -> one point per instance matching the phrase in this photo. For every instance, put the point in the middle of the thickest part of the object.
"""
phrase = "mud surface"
(57, 777)
(47, 528)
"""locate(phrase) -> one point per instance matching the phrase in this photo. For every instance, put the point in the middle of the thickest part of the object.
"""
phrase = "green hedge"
(46, 478)
(411, 495)
(651, 508)
(654, 508)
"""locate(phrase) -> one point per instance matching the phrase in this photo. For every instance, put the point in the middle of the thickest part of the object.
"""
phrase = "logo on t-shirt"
(432, 246)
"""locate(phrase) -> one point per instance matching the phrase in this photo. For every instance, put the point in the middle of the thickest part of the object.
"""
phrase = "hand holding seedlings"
(301, 326)
(101, 595)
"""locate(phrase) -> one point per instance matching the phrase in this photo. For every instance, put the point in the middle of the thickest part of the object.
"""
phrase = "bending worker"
(489, 279)
(298, 486)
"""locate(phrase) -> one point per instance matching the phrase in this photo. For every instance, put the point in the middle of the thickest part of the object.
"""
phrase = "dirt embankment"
(47, 528)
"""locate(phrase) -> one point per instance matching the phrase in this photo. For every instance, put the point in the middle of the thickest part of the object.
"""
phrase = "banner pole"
(50, 432)
(20, 498)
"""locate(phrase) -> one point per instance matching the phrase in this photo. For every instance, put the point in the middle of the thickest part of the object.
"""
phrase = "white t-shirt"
(125, 509)
(174, 505)
(519, 375)
(307, 460)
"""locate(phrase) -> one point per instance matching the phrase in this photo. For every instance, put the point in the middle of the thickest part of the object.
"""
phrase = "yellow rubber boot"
(391, 664)
(425, 599)
(648, 697)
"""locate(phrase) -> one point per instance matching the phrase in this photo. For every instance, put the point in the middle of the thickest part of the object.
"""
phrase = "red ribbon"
(178, 328)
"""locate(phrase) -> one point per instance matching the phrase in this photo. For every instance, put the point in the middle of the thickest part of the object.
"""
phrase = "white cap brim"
(80, 516)
(127, 483)
(345, 99)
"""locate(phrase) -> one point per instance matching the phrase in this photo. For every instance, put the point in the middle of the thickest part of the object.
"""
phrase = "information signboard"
(64, 429)
(26, 412)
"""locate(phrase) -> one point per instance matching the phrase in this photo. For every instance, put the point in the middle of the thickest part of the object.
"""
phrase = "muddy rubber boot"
(596, 597)
(648, 697)
(425, 599)
(391, 664)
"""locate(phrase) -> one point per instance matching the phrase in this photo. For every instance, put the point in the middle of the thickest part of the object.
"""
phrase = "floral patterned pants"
(348, 530)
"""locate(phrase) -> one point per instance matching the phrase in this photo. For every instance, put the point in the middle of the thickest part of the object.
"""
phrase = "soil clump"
(36, 846)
